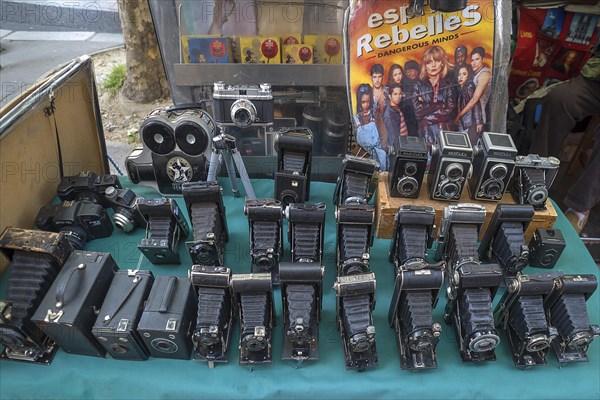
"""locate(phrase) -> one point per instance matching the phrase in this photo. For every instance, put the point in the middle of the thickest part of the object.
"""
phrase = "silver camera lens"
(483, 341)
(449, 190)
(243, 113)
(454, 171)
(537, 195)
(493, 188)
(499, 171)
(407, 186)
(537, 343)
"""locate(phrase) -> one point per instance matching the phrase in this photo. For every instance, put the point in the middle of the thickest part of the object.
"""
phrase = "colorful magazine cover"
(414, 75)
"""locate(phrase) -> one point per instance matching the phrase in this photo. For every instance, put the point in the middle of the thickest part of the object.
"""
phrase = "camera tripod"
(224, 147)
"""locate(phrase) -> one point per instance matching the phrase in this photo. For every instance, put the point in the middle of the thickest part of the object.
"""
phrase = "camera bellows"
(355, 187)
(570, 316)
(357, 321)
(510, 247)
(265, 240)
(307, 242)
(527, 317)
(205, 220)
(475, 307)
(294, 162)
(301, 306)
(415, 314)
(414, 239)
(463, 242)
(255, 313)
(213, 312)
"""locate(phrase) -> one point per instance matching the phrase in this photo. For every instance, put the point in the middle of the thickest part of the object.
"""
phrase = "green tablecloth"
(73, 376)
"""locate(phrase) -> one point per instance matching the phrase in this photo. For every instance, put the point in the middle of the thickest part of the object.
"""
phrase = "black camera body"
(242, 105)
(168, 320)
(176, 149)
(408, 164)
(166, 225)
(265, 221)
(520, 314)
(215, 313)
(68, 311)
(116, 326)
(87, 186)
(493, 166)
(253, 301)
(416, 288)
(504, 239)
(566, 310)
(545, 247)
(36, 257)
(306, 231)
(126, 215)
(357, 180)
(79, 220)
(301, 297)
(471, 285)
(294, 148)
(533, 177)
(204, 202)
(450, 165)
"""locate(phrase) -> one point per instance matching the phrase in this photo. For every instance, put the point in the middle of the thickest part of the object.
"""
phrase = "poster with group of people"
(562, 41)
(412, 75)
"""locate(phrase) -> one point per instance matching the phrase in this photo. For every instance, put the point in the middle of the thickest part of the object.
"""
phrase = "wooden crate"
(387, 207)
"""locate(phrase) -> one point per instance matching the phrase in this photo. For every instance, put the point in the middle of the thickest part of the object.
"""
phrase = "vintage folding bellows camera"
(168, 320)
(545, 247)
(450, 165)
(408, 164)
(204, 202)
(566, 310)
(306, 229)
(520, 314)
(166, 225)
(36, 258)
(80, 221)
(357, 180)
(301, 297)
(265, 220)
(253, 301)
(242, 105)
(124, 202)
(416, 288)
(493, 166)
(68, 311)
(87, 186)
(176, 148)
(504, 238)
(116, 325)
(215, 313)
(471, 285)
(294, 154)
(533, 177)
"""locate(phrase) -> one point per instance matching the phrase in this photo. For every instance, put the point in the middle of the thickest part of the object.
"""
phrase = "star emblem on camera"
(179, 170)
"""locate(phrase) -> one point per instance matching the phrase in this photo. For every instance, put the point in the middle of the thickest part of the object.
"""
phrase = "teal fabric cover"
(74, 376)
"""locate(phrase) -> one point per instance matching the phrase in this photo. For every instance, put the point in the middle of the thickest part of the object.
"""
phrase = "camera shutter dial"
(243, 113)
(158, 137)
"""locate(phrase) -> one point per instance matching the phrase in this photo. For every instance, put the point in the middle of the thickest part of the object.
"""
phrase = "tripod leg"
(231, 172)
(239, 162)
(213, 166)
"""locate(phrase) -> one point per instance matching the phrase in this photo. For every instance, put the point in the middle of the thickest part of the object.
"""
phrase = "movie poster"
(416, 75)
(561, 41)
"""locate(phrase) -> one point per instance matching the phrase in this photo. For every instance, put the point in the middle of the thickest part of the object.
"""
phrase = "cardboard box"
(297, 54)
(260, 50)
(292, 38)
(387, 207)
(327, 49)
(208, 50)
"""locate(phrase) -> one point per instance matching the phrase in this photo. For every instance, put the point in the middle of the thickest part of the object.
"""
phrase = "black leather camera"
(504, 238)
(116, 326)
(168, 320)
(520, 314)
(306, 230)
(253, 300)
(416, 288)
(265, 220)
(471, 286)
(533, 177)
(493, 166)
(545, 247)
(450, 165)
(87, 186)
(357, 180)
(166, 225)
(68, 311)
(294, 154)
(215, 313)
(176, 148)
(566, 310)
(204, 202)
(79, 221)
(408, 163)
(242, 105)
(126, 215)
(36, 258)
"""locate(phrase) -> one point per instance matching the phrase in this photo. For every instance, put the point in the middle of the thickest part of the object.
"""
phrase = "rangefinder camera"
(242, 105)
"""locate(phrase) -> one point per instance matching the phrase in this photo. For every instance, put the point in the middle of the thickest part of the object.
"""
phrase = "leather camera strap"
(64, 284)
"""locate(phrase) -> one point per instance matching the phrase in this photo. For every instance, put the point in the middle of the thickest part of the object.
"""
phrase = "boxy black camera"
(294, 148)
(493, 166)
(533, 178)
(450, 165)
(36, 258)
(545, 247)
(176, 146)
(408, 163)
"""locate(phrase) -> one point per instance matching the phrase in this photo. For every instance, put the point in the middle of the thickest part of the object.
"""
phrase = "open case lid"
(53, 129)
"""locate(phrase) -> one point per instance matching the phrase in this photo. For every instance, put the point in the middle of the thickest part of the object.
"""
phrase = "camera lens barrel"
(243, 113)
(124, 219)
(407, 186)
